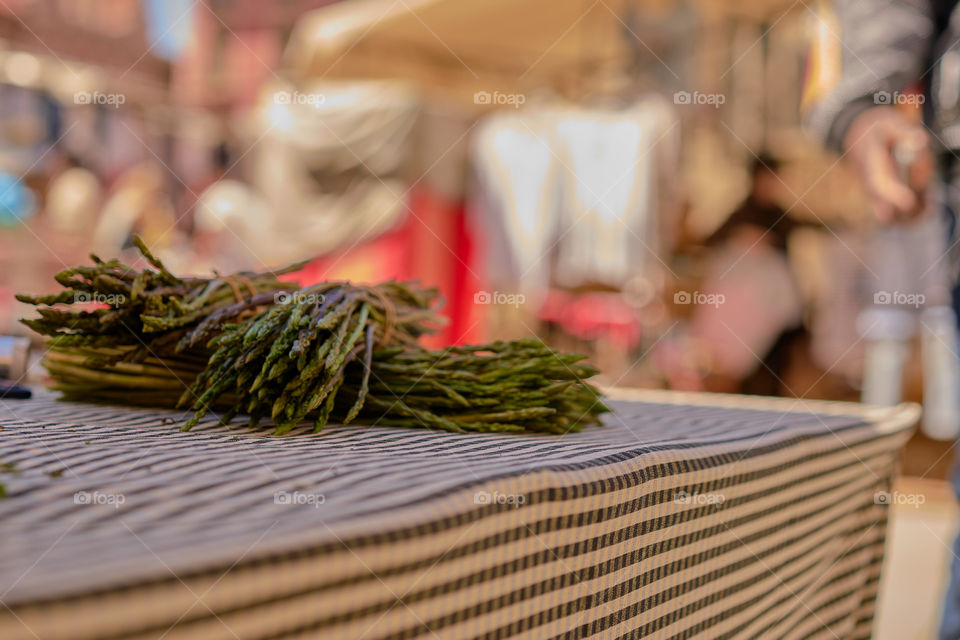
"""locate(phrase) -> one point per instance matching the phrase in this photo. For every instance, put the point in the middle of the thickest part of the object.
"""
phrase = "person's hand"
(892, 156)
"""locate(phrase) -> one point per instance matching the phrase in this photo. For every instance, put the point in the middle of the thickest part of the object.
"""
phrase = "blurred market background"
(627, 178)
(567, 169)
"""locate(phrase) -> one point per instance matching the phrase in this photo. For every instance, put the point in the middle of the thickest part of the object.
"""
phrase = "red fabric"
(433, 245)
(592, 315)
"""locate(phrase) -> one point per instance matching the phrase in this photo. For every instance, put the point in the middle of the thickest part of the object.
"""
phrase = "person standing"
(900, 57)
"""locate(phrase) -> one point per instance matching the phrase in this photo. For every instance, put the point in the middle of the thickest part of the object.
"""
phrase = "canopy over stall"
(464, 46)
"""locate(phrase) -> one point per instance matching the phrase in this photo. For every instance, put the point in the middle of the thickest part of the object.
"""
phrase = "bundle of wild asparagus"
(318, 356)
(520, 385)
(248, 343)
(125, 348)
(290, 360)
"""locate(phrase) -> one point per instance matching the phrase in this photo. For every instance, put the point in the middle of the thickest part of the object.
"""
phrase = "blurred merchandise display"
(592, 316)
(575, 189)
(13, 357)
(331, 163)
(910, 294)
(16, 201)
(616, 161)
(568, 203)
(557, 180)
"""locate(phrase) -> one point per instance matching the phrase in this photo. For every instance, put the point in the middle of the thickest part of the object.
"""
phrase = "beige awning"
(464, 46)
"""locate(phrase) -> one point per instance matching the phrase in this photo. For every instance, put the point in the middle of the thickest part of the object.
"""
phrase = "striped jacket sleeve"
(887, 45)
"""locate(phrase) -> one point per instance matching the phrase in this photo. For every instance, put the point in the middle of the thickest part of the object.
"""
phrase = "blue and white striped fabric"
(684, 516)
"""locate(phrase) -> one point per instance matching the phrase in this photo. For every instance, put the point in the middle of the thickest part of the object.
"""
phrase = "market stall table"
(685, 514)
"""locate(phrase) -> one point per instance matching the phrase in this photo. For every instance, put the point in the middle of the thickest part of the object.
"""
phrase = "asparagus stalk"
(334, 351)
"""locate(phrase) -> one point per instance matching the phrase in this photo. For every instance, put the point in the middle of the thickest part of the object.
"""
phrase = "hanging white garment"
(517, 174)
(609, 184)
(330, 161)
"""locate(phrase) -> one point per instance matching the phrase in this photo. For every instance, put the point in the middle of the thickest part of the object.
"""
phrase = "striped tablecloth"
(685, 516)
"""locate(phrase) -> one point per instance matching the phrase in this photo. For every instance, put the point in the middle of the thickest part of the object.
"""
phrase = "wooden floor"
(919, 549)
(929, 459)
